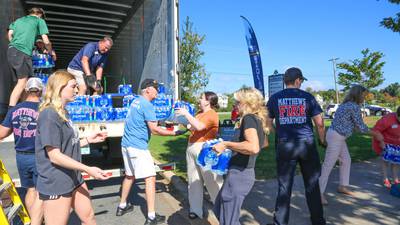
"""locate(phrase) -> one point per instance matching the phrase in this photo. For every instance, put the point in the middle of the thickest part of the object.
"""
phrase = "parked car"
(331, 110)
(377, 110)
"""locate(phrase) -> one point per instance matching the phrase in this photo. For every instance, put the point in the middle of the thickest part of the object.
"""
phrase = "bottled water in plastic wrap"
(208, 159)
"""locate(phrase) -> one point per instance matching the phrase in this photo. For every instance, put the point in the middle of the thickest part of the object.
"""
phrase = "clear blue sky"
(291, 33)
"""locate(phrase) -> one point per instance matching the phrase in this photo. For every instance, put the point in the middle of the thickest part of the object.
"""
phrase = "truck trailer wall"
(10, 10)
(145, 48)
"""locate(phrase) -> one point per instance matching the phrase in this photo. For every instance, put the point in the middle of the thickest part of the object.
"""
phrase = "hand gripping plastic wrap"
(180, 119)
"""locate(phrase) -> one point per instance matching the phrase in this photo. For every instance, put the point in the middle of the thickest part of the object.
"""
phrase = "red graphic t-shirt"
(389, 127)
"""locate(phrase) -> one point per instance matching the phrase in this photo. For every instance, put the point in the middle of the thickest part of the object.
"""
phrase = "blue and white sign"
(275, 84)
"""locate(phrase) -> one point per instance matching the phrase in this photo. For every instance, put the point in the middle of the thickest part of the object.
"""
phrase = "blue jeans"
(288, 154)
(27, 169)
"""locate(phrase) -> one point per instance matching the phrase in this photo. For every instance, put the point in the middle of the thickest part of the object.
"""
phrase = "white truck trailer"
(145, 34)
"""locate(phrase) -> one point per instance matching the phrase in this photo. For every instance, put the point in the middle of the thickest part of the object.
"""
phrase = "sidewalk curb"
(181, 187)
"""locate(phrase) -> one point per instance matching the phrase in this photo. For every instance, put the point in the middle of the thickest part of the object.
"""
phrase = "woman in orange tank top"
(204, 127)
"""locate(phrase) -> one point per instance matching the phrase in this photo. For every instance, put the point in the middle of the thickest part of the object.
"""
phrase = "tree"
(309, 90)
(370, 97)
(192, 76)
(392, 23)
(366, 71)
(392, 89)
(328, 95)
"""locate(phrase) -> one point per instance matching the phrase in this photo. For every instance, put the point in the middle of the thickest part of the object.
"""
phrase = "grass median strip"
(173, 149)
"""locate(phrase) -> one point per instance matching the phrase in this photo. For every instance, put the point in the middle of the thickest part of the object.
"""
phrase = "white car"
(377, 110)
(331, 110)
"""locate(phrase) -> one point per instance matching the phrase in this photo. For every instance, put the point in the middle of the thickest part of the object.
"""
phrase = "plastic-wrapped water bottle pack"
(97, 108)
(180, 119)
(163, 106)
(87, 108)
(208, 159)
(40, 61)
(125, 89)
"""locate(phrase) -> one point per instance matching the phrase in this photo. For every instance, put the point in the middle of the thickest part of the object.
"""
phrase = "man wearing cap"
(22, 34)
(294, 110)
(41, 49)
(21, 120)
(140, 123)
(87, 65)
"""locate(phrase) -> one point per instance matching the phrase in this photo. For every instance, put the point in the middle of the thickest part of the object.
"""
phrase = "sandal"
(386, 183)
(193, 215)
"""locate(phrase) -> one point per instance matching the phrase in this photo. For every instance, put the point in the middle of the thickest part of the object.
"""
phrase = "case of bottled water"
(208, 159)
(125, 89)
(40, 61)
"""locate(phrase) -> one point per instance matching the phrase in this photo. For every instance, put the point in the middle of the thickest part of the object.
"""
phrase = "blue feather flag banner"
(255, 57)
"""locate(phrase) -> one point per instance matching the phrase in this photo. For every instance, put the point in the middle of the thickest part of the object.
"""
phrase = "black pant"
(288, 154)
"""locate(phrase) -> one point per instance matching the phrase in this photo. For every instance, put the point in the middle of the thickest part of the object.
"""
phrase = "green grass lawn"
(172, 149)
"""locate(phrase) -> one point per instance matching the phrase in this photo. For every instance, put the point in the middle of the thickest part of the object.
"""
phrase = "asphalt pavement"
(105, 198)
(372, 204)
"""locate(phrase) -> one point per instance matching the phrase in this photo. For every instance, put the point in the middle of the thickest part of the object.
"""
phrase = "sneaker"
(122, 211)
(396, 181)
(159, 219)
(386, 183)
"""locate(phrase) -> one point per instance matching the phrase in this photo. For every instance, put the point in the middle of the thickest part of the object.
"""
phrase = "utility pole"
(333, 60)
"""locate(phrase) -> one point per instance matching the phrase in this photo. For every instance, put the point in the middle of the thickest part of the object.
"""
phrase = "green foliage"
(392, 23)
(328, 96)
(309, 90)
(192, 76)
(392, 89)
(378, 97)
(366, 71)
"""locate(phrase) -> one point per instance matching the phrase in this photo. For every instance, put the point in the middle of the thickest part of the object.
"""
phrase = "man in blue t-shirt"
(87, 65)
(21, 120)
(294, 110)
(140, 123)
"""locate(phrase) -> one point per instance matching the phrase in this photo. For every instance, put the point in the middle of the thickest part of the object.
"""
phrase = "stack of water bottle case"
(41, 63)
(99, 108)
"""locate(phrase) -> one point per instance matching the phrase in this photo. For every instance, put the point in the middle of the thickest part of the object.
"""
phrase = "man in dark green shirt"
(22, 35)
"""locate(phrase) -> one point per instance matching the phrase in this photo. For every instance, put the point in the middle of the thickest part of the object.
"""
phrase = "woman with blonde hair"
(250, 137)
(58, 156)
(347, 119)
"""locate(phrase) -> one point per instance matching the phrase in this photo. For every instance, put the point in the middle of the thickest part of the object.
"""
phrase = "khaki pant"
(336, 150)
(197, 178)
